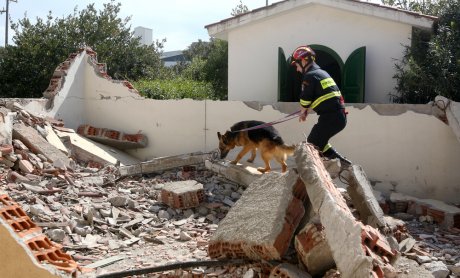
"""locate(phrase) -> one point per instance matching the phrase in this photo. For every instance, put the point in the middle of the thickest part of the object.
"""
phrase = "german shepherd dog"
(266, 139)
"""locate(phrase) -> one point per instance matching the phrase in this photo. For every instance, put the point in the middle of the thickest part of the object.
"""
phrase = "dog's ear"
(218, 135)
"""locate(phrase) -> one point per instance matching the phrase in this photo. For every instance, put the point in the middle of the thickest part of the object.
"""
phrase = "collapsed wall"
(266, 218)
(358, 250)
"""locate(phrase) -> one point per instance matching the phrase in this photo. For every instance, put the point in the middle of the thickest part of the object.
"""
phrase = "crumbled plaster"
(434, 109)
(451, 110)
(396, 109)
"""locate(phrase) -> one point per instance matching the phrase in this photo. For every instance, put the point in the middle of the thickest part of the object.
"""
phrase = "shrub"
(178, 88)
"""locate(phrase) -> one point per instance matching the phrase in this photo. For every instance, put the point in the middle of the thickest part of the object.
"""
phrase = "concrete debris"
(438, 269)
(241, 175)
(353, 245)
(288, 270)
(93, 153)
(109, 215)
(406, 245)
(37, 144)
(163, 163)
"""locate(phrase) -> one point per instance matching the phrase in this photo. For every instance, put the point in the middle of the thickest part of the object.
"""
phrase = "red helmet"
(303, 52)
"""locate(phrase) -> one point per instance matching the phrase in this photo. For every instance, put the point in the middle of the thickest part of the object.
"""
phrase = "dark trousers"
(328, 125)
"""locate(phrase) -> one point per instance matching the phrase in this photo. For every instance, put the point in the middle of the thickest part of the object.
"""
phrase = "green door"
(353, 79)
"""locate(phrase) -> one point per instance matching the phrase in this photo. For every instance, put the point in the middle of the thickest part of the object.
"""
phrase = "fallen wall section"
(262, 222)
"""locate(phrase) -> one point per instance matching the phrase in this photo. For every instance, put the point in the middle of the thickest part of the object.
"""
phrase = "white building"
(357, 42)
(145, 34)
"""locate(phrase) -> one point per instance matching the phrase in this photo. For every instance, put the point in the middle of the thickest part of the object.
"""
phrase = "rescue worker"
(320, 93)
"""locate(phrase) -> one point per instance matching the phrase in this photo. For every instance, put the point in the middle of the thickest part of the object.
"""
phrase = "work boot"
(331, 153)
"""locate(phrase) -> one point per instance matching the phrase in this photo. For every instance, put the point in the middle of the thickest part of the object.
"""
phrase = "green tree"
(432, 7)
(431, 64)
(209, 63)
(27, 66)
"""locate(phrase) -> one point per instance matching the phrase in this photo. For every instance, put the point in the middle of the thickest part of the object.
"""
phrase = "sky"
(181, 22)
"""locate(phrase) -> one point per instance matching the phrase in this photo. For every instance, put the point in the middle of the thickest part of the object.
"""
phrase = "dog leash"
(285, 118)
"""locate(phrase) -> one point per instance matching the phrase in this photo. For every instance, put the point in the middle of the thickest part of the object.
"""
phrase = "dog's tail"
(288, 150)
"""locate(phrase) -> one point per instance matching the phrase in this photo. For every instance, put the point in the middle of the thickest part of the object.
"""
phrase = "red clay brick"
(6, 149)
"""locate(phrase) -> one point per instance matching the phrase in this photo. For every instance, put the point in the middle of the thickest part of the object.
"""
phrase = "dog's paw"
(263, 170)
(250, 160)
(233, 162)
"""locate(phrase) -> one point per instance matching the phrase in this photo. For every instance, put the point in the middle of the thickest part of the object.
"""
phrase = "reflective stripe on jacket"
(320, 92)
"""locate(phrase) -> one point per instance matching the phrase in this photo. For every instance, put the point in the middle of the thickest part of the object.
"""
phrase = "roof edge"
(413, 18)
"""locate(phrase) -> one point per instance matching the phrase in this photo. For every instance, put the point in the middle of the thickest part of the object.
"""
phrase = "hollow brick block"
(182, 194)
(43, 249)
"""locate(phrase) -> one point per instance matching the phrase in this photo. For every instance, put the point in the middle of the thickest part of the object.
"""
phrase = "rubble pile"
(111, 222)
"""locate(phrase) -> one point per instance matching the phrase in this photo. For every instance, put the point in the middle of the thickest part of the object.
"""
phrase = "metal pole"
(6, 22)
(266, 2)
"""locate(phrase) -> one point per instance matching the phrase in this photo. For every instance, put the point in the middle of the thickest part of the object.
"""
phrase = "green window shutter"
(353, 81)
(289, 80)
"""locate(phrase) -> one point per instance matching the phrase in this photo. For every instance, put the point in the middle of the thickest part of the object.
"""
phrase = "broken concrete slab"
(37, 144)
(163, 163)
(87, 150)
(53, 139)
(236, 173)
(6, 126)
(262, 222)
(363, 199)
(349, 243)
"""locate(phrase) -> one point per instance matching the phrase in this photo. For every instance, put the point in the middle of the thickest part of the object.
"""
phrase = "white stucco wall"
(400, 147)
(253, 50)
(68, 104)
